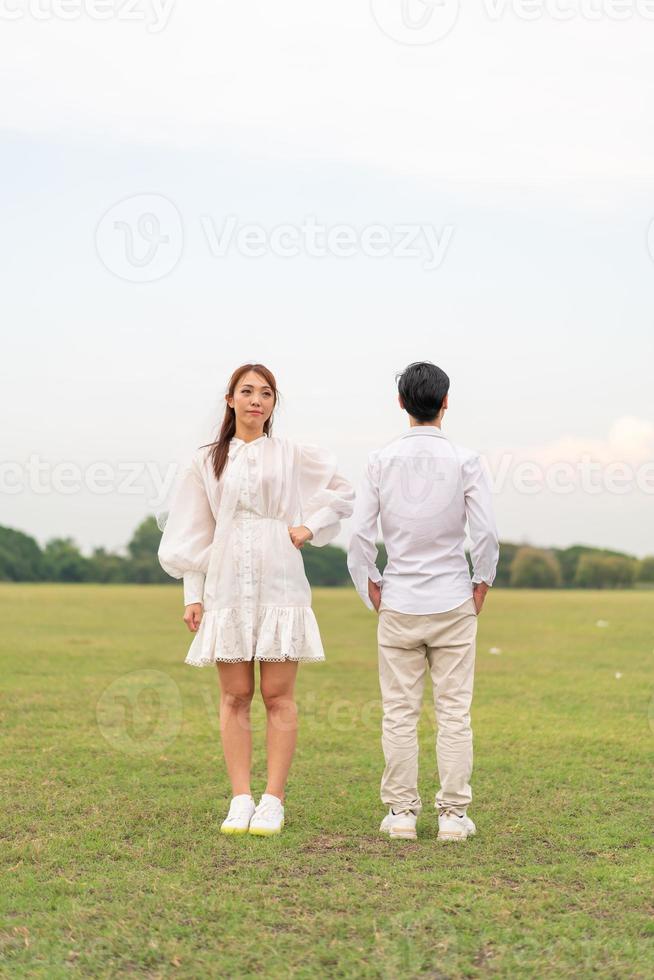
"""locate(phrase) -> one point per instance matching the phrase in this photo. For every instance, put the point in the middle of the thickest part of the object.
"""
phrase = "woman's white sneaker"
(453, 827)
(268, 818)
(400, 825)
(237, 820)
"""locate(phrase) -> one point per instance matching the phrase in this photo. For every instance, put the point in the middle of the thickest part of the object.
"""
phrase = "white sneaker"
(237, 820)
(452, 827)
(400, 825)
(268, 818)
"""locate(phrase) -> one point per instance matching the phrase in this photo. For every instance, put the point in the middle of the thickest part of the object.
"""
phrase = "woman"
(240, 516)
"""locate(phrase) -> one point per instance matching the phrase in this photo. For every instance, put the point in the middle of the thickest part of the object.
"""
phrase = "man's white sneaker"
(400, 825)
(268, 818)
(452, 827)
(237, 820)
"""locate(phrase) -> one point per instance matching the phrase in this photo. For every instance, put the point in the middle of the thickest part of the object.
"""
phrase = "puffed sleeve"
(185, 545)
(326, 497)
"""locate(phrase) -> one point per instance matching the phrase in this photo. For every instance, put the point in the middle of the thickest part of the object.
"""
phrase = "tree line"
(520, 566)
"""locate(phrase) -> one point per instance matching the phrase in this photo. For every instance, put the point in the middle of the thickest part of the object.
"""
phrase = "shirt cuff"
(319, 521)
(193, 587)
(312, 527)
(360, 576)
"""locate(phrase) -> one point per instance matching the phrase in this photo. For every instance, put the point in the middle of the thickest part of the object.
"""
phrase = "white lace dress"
(229, 541)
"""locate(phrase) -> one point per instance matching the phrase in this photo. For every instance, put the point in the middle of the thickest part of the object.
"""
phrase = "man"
(424, 488)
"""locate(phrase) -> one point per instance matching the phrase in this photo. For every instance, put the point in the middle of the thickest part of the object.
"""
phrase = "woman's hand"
(300, 535)
(193, 616)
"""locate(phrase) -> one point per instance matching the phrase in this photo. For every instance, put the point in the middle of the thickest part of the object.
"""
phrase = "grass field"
(115, 785)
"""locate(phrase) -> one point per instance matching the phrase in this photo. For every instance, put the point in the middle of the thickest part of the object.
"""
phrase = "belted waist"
(250, 515)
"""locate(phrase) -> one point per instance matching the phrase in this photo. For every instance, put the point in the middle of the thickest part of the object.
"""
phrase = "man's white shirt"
(423, 488)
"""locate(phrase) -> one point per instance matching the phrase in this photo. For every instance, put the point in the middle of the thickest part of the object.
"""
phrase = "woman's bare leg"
(236, 693)
(277, 687)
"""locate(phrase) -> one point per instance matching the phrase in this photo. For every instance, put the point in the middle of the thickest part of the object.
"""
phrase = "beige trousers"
(407, 643)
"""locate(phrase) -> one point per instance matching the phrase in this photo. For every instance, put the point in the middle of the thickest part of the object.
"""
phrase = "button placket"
(247, 550)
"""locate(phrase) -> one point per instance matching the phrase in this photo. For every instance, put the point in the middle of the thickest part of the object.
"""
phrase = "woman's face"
(253, 401)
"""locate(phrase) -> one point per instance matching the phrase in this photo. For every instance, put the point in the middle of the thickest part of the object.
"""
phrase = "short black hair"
(423, 387)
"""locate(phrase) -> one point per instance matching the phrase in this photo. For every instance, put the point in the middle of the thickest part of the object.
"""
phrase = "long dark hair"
(228, 428)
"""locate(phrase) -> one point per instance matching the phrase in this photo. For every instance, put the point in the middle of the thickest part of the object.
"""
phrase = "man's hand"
(479, 591)
(300, 535)
(374, 592)
(193, 616)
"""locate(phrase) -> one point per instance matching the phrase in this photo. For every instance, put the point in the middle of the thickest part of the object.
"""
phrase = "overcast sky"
(336, 191)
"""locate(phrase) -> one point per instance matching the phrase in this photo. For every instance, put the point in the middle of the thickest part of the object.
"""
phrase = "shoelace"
(238, 809)
(267, 809)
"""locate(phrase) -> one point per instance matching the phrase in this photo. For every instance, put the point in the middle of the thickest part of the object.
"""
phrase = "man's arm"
(362, 550)
(485, 549)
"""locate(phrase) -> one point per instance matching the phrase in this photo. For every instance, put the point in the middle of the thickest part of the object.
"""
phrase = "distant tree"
(145, 540)
(143, 563)
(534, 568)
(21, 559)
(144, 571)
(569, 559)
(508, 552)
(326, 566)
(623, 571)
(645, 570)
(63, 562)
(605, 572)
(104, 566)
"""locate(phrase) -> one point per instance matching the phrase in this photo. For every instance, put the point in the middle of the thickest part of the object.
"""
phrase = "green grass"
(112, 860)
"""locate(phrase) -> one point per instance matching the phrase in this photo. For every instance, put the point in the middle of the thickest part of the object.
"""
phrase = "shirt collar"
(423, 430)
(249, 443)
(237, 445)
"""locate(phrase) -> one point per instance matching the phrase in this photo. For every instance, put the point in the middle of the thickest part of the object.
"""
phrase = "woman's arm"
(326, 496)
(185, 546)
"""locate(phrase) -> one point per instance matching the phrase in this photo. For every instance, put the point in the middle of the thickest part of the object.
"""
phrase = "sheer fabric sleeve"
(326, 497)
(188, 531)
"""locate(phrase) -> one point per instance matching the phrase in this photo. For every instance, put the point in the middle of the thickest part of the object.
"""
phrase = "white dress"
(229, 541)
